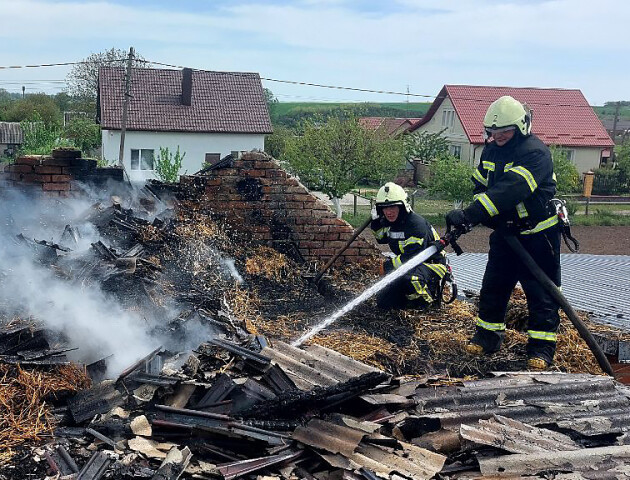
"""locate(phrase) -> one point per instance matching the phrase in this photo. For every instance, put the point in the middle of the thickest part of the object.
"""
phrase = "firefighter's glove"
(374, 213)
(457, 219)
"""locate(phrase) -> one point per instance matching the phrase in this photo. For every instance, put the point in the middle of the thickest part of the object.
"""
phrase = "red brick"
(264, 164)
(46, 169)
(254, 173)
(60, 178)
(328, 237)
(18, 168)
(28, 160)
(276, 174)
(323, 252)
(56, 187)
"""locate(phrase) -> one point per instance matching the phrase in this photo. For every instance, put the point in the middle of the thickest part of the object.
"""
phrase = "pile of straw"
(24, 413)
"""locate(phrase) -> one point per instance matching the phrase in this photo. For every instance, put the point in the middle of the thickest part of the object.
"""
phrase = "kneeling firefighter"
(407, 233)
(513, 186)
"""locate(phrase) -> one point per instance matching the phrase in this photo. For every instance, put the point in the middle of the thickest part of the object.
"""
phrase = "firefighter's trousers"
(503, 271)
(417, 288)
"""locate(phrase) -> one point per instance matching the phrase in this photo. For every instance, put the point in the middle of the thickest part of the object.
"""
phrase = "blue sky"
(382, 45)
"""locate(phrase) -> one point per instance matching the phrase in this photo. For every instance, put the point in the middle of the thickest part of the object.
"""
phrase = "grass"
(413, 109)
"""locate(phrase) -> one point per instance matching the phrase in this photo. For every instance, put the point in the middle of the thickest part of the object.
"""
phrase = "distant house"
(10, 138)
(390, 126)
(207, 114)
(559, 117)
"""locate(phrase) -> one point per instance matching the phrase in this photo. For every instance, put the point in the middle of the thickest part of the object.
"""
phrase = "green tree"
(622, 156)
(567, 176)
(335, 156)
(424, 147)
(34, 107)
(83, 133)
(83, 78)
(39, 138)
(168, 164)
(451, 179)
(271, 100)
(276, 142)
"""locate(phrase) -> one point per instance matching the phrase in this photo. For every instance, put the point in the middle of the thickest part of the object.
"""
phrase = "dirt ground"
(593, 240)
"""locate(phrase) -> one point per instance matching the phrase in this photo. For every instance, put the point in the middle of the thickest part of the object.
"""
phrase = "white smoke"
(91, 320)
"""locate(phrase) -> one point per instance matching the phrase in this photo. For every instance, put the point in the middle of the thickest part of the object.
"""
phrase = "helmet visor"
(495, 131)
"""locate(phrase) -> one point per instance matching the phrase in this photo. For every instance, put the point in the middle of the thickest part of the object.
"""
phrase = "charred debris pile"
(222, 394)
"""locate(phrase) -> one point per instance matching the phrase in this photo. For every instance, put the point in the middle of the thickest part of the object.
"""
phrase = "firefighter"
(513, 186)
(407, 233)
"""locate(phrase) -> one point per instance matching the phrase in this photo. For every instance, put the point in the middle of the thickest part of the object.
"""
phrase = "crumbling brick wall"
(55, 175)
(260, 199)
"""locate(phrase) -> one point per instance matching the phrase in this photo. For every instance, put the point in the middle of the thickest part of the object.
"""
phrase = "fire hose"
(561, 300)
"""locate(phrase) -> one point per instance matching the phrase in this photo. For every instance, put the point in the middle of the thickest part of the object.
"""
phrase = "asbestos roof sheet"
(586, 403)
(328, 436)
(10, 133)
(315, 366)
(592, 283)
(516, 437)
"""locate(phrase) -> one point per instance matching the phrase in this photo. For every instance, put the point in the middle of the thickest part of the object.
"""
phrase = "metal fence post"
(355, 204)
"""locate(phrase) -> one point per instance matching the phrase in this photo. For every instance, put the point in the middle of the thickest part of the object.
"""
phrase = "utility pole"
(123, 127)
(614, 133)
(23, 90)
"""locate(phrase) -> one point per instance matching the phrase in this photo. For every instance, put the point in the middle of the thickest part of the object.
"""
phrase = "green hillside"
(292, 113)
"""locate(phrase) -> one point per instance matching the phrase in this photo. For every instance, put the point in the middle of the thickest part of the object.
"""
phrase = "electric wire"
(294, 82)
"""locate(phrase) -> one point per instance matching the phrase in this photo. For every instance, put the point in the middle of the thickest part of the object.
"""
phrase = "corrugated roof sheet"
(222, 102)
(560, 117)
(10, 133)
(589, 404)
(593, 283)
(315, 366)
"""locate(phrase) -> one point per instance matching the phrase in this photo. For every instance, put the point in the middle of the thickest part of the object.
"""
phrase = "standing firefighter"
(514, 184)
(407, 234)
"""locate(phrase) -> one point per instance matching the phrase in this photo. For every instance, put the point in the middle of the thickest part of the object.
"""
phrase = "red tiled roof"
(560, 117)
(225, 102)
(392, 126)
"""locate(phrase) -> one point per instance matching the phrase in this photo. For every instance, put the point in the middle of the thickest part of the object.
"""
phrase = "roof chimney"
(187, 86)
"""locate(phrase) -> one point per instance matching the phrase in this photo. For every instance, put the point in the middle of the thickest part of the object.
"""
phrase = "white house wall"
(455, 134)
(196, 145)
(586, 159)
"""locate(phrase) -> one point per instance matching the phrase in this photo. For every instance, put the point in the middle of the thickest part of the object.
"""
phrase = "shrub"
(567, 176)
(450, 178)
(168, 165)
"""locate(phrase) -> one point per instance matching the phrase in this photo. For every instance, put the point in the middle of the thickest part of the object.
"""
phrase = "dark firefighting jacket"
(407, 236)
(513, 186)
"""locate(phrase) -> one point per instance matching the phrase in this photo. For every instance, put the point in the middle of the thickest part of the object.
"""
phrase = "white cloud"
(336, 41)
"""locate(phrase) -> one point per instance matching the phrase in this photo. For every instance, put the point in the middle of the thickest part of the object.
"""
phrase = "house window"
(455, 150)
(448, 117)
(212, 158)
(569, 154)
(142, 159)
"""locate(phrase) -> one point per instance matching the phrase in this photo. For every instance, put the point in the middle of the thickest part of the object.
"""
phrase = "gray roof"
(222, 102)
(593, 283)
(10, 133)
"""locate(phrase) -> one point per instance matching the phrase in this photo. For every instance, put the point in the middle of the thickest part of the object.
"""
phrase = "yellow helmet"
(392, 194)
(506, 112)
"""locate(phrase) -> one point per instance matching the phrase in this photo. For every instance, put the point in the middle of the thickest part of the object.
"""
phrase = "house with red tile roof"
(390, 126)
(560, 117)
(207, 114)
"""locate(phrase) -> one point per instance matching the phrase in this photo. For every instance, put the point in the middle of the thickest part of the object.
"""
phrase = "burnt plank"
(95, 467)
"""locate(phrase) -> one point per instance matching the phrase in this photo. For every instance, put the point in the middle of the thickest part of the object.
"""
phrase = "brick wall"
(260, 199)
(55, 175)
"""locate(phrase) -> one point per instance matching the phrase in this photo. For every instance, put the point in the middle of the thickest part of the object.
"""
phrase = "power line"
(295, 82)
